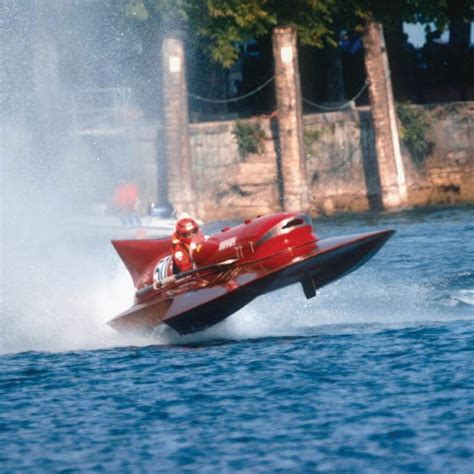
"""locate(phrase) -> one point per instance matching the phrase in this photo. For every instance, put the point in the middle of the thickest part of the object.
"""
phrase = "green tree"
(225, 23)
(222, 24)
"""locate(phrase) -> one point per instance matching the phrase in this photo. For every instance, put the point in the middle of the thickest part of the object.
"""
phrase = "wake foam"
(69, 309)
(461, 297)
(358, 303)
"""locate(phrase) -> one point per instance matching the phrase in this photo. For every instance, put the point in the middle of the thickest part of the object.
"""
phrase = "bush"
(415, 123)
(249, 138)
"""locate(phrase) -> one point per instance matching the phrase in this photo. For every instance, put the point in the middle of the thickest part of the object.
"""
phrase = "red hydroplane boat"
(233, 267)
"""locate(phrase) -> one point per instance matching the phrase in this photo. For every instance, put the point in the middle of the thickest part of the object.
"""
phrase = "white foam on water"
(72, 314)
(361, 302)
(66, 314)
(465, 296)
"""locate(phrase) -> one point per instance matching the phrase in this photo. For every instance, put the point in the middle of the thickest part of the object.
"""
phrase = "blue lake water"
(375, 374)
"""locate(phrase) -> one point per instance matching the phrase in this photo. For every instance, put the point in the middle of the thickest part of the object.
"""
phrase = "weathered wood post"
(387, 144)
(176, 133)
(290, 120)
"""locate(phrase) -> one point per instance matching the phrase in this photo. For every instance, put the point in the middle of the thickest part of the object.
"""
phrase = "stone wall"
(447, 174)
(340, 162)
(341, 165)
(226, 184)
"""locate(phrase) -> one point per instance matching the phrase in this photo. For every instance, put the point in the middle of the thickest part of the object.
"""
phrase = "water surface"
(374, 374)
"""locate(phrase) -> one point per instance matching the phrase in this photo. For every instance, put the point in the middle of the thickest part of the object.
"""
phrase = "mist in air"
(60, 279)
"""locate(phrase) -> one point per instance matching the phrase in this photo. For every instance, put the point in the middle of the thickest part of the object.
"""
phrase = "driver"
(184, 241)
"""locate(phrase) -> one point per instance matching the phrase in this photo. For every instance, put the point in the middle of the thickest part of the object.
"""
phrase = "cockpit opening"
(294, 223)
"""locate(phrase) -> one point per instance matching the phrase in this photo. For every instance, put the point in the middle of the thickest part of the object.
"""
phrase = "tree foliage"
(228, 22)
(223, 24)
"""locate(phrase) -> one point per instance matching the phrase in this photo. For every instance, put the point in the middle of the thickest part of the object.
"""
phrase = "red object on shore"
(126, 197)
(235, 266)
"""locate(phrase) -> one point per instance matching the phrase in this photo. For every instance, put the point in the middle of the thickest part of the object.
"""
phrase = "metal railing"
(101, 109)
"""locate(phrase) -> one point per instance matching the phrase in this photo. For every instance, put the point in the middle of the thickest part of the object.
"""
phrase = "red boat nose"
(342, 255)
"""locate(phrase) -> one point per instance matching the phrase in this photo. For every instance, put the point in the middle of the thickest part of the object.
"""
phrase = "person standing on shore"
(126, 201)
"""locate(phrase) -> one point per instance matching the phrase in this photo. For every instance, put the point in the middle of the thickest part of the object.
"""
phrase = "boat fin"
(138, 254)
(309, 288)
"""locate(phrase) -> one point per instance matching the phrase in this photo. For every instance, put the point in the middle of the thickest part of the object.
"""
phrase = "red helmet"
(186, 229)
